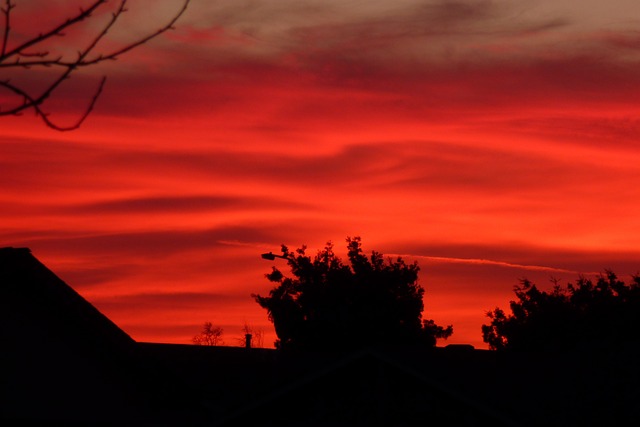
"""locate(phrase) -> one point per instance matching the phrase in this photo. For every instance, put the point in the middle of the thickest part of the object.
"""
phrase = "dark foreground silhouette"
(327, 303)
(584, 315)
(64, 363)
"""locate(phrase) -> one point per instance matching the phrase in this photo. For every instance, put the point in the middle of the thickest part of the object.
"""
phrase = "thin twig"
(87, 112)
(18, 54)
(73, 65)
(102, 57)
(84, 14)
(7, 26)
(143, 40)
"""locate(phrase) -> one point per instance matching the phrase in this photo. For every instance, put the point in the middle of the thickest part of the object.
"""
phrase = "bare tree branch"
(19, 58)
(7, 25)
(84, 14)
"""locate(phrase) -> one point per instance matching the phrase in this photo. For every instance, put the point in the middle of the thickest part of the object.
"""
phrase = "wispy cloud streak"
(477, 261)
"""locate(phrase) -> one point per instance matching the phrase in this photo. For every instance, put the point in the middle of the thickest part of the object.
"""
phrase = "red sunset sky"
(487, 140)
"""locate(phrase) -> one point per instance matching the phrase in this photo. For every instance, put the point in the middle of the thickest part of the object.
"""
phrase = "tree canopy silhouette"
(329, 304)
(25, 58)
(604, 314)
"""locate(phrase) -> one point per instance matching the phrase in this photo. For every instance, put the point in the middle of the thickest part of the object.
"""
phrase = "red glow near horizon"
(487, 149)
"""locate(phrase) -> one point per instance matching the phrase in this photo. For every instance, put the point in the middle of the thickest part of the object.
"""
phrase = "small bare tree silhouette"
(210, 335)
(34, 53)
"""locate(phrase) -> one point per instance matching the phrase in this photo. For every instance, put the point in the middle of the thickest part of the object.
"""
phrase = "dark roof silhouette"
(25, 279)
(64, 362)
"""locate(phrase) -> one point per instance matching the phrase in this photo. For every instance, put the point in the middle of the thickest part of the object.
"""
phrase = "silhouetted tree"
(329, 304)
(44, 51)
(210, 335)
(604, 314)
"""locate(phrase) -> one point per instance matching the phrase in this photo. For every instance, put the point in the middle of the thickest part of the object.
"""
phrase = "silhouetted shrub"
(604, 314)
(329, 304)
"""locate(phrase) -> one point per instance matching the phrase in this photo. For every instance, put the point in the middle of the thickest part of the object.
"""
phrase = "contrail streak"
(481, 261)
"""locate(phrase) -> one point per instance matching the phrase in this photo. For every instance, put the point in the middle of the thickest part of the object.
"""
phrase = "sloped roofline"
(23, 276)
